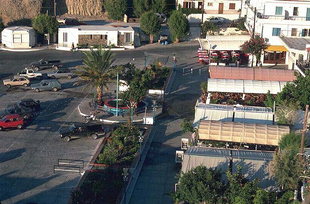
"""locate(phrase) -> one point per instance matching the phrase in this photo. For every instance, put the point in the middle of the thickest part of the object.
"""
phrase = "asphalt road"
(27, 156)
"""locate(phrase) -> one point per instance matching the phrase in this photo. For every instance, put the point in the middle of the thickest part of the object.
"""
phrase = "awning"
(276, 48)
(241, 132)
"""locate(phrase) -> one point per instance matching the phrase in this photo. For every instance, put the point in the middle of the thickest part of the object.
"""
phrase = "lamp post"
(117, 93)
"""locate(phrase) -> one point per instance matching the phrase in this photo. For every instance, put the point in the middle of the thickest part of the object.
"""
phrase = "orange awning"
(276, 48)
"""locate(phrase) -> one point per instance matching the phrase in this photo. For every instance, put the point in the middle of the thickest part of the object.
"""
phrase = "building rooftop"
(108, 27)
(245, 86)
(296, 43)
(217, 72)
(19, 28)
(241, 132)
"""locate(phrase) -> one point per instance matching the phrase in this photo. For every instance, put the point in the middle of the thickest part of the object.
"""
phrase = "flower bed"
(237, 98)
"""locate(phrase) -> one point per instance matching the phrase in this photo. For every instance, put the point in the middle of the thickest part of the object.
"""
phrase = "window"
(279, 10)
(276, 31)
(188, 5)
(210, 4)
(294, 32)
(17, 38)
(232, 6)
(101, 37)
(305, 32)
(127, 37)
(200, 5)
(91, 37)
(65, 37)
(295, 11)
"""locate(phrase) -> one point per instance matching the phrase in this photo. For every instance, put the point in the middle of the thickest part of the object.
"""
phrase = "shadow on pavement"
(6, 156)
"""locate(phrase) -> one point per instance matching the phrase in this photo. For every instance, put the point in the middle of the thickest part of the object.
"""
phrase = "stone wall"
(93, 39)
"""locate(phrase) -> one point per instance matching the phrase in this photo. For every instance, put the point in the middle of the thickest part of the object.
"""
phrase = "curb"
(23, 50)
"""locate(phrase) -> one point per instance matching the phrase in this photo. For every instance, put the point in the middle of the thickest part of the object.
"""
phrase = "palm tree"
(97, 70)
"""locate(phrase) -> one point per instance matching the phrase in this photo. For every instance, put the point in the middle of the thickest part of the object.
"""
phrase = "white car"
(30, 73)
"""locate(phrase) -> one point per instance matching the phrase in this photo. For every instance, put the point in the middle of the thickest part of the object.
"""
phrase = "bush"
(188, 11)
(208, 27)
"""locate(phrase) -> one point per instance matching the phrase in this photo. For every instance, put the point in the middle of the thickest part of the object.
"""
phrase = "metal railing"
(283, 17)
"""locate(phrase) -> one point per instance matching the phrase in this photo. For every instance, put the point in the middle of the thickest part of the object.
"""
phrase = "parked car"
(11, 121)
(30, 103)
(16, 81)
(30, 73)
(61, 73)
(85, 130)
(45, 64)
(46, 85)
(218, 20)
(25, 112)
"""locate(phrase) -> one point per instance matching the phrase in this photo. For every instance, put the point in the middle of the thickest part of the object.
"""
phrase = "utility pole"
(303, 132)
(255, 13)
(202, 11)
(117, 94)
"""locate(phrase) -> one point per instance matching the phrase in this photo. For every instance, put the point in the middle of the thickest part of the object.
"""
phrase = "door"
(221, 8)
(308, 14)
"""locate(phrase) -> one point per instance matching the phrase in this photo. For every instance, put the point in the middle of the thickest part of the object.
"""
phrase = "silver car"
(46, 85)
(61, 73)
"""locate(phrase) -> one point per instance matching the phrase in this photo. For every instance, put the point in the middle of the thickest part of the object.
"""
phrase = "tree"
(187, 126)
(208, 27)
(150, 24)
(141, 6)
(178, 25)
(1, 25)
(97, 71)
(135, 93)
(286, 111)
(286, 168)
(298, 91)
(200, 185)
(204, 90)
(264, 197)
(254, 46)
(269, 100)
(45, 24)
(290, 140)
(159, 6)
(116, 8)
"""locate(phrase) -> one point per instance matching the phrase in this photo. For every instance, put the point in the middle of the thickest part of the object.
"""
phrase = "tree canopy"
(1, 25)
(254, 46)
(142, 6)
(178, 25)
(115, 8)
(97, 70)
(45, 24)
(150, 24)
(298, 91)
(208, 27)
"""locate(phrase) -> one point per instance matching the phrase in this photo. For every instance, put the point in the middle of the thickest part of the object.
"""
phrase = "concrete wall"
(196, 18)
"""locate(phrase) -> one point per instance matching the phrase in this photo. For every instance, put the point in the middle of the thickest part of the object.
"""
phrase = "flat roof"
(224, 42)
(108, 27)
(254, 164)
(247, 73)
(19, 28)
(248, 133)
(245, 86)
(296, 43)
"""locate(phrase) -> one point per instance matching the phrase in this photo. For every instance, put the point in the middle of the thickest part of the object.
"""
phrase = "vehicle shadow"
(6, 156)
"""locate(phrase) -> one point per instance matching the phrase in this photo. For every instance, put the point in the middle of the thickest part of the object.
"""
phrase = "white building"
(93, 35)
(229, 9)
(275, 18)
(18, 37)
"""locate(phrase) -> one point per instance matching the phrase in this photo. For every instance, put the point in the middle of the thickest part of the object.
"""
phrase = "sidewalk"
(28, 49)
(158, 175)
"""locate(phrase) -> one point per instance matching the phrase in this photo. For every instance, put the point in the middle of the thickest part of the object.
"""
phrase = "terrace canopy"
(245, 86)
(241, 132)
(218, 72)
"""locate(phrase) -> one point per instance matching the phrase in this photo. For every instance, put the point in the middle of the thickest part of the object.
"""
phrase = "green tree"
(1, 25)
(187, 126)
(291, 140)
(115, 8)
(298, 91)
(45, 24)
(141, 6)
(286, 111)
(150, 24)
(254, 46)
(159, 6)
(208, 27)
(286, 168)
(178, 25)
(200, 185)
(97, 70)
(269, 100)
(204, 91)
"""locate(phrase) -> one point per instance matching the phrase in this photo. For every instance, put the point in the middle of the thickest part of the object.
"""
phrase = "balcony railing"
(276, 17)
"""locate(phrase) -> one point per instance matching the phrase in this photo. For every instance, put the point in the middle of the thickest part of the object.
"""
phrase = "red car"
(11, 121)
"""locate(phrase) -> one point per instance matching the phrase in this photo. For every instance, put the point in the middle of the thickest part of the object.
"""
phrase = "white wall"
(27, 38)
(196, 18)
